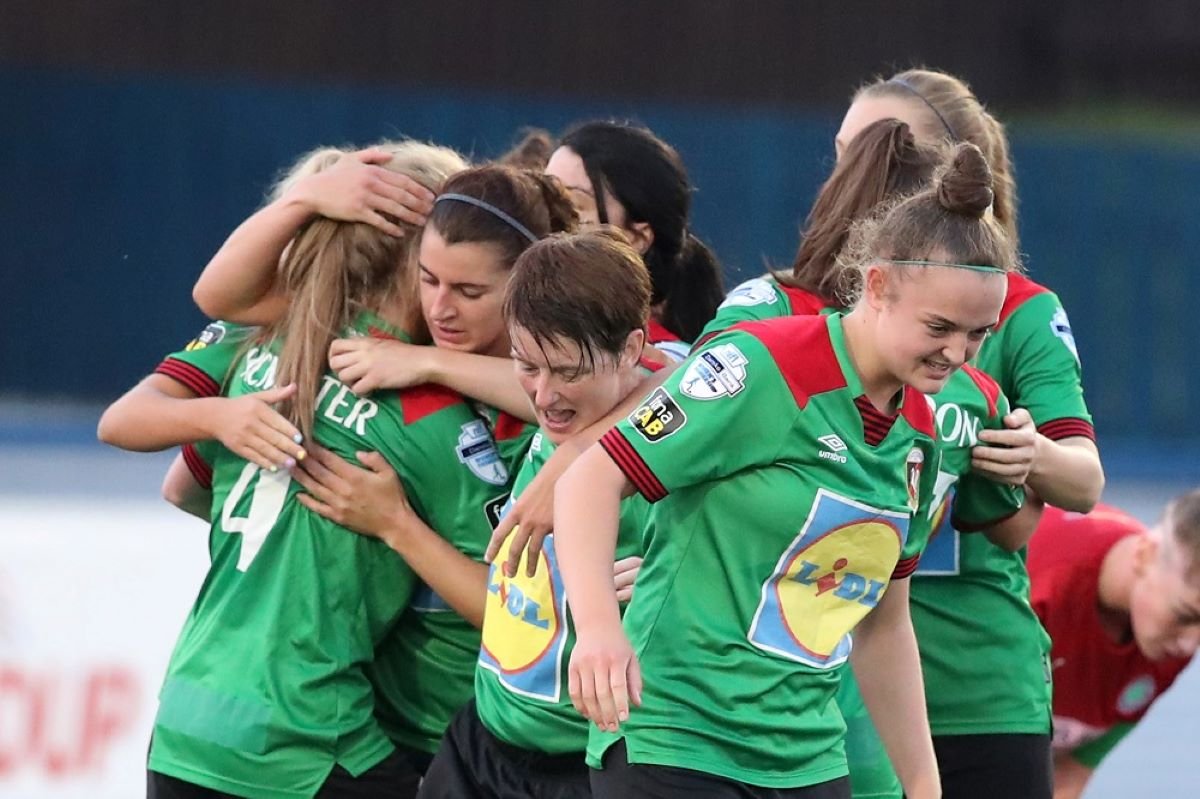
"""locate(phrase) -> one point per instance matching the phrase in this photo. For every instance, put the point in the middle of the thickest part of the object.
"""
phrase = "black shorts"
(619, 779)
(396, 777)
(996, 766)
(472, 763)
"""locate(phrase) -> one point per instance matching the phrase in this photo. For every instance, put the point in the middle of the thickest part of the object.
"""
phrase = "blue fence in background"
(117, 190)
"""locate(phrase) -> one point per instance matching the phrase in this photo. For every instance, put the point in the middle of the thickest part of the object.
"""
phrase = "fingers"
(317, 467)
(1003, 455)
(414, 199)
(574, 690)
(375, 462)
(612, 695)
(1020, 417)
(533, 554)
(377, 220)
(520, 539)
(319, 508)
(278, 394)
(625, 573)
(318, 490)
(499, 535)
(634, 670)
(372, 155)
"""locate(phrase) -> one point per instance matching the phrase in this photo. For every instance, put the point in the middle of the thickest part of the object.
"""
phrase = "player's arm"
(371, 501)
(1073, 768)
(1013, 533)
(160, 412)
(888, 669)
(239, 283)
(604, 676)
(1067, 473)
(181, 488)
(533, 512)
(366, 364)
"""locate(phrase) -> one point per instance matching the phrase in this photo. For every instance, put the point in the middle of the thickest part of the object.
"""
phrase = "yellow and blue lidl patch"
(834, 573)
(524, 625)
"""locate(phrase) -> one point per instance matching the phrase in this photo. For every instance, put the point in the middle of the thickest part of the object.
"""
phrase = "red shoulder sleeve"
(421, 401)
(1020, 289)
(803, 351)
(989, 387)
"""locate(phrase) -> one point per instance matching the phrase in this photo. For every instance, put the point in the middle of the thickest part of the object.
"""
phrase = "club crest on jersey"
(208, 336)
(913, 465)
(524, 629)
(477, 450)
(1061, 327)
(658, 417)
(719, 371)
(753, 292)
(1137, 695)
(833, 573)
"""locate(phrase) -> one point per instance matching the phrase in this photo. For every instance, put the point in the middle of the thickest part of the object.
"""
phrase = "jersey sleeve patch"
(212, 334)
(191, 377)
(714, 373)
(632, 466)
(756, 291)
(1058, 429)
(658, 417)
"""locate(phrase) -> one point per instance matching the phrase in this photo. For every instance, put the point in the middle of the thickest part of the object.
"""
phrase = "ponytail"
(696, 289)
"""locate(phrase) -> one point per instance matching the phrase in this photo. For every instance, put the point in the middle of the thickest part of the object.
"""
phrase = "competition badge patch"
(208, 336)
(912, 470)
(831, 576)
(1061, 327)
(658, 417)
(477, 450)
(524, 634)
(753, 292)
(719, 371)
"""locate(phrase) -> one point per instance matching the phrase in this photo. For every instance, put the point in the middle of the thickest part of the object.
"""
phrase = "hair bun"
(966, 186)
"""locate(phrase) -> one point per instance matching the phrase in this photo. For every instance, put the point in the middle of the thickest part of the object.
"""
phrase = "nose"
(545, 391)
(442, 307)
(957, 349)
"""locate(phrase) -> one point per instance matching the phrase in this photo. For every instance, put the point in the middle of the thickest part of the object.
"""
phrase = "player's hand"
(367, 500)
(366, 364)
(625, 572)
(357, 189)
(1007, 456)
(531, 518)
(604, 676)
(250, 428)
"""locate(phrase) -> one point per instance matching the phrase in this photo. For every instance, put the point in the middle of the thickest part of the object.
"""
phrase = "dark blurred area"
(136, 135)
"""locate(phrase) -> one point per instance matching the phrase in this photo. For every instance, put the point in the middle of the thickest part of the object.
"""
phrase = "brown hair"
(953, 112)
(532, 150)
(1182, 519)
(334, 270)
(537, 202)
(881, 163)
(591, 288)
(948, 220)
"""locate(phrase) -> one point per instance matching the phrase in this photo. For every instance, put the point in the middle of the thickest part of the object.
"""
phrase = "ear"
(1144, 556)
(876, 287)
(635, 342)
(641, 236)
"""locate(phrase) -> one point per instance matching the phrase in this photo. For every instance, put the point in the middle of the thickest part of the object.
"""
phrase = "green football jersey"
(946, 626)
(777, 529)
(266, 689)
(758, 299)
(521, 682)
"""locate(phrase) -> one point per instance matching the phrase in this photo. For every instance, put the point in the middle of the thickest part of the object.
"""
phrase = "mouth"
(449, 334)
(936, 369)
(556, 421)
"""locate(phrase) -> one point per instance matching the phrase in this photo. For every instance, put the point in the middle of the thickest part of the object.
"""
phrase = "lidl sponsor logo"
(524, 630)
(941, 555)
(658, 417)
(1060, 325)
(719, 371)
(753, 292)
(1137, 695)
(833, 573)
(477, 450)
(208, 336)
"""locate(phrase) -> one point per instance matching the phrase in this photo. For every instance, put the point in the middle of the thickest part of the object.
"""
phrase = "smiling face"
(930, 320)
(462, 290)
(570, 392)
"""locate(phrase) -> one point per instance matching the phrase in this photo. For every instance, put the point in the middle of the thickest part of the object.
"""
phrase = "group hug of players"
(509, 499)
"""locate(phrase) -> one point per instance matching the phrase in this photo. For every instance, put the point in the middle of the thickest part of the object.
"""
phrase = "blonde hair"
(334, 270)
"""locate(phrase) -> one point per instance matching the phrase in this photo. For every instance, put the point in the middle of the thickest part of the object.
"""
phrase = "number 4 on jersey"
(266, 503)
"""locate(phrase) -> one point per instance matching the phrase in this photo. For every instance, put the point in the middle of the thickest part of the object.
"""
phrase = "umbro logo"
(835, 447)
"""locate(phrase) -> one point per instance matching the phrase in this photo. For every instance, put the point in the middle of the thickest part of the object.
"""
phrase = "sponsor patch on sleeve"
(753, 292)
(208, 336)
(658, 417)
(719, 371)
(1061, 326)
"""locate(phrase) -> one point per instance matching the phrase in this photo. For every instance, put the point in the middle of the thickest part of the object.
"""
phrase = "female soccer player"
(767, 549)
(1122, 606)
(479, 224)
(983, 652)
(266, 693)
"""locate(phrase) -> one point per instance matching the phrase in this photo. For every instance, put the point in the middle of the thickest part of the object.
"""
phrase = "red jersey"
(1097, 682)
